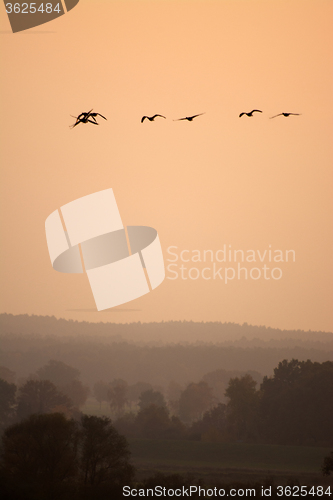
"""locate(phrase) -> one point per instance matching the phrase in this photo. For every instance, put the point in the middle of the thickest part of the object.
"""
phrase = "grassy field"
(230, 455)
(228, 461)
(223, 461)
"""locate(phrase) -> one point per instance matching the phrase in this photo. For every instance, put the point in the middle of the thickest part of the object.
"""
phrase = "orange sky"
(219, 180)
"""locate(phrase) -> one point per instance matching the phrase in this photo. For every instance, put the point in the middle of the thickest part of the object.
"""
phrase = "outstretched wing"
(143, 118)
(194, 116)
(256, 110)
(91, 115)
(241, 115)
(158, 115)
(76, 123)
(275, 116)
(98, 114)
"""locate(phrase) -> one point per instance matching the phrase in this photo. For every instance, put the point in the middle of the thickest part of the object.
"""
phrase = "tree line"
(165, 332)
(50, 457)
(51, 450)
(294, 406)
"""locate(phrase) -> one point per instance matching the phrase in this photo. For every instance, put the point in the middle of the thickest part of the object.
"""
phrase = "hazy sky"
(252, 183)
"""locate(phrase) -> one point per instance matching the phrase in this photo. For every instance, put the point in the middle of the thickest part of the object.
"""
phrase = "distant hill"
(153, 352)
(164, 332)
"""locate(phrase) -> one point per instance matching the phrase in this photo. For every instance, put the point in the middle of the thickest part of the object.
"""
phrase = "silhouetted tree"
(242, 408)
(151, 397)
(126, 424)
(76, 391)
(100, 392)
(153, 421)
(135, 390)
(104, 461)
(58, 373)
(174, 391)
(7, 375)
(212, 426)
(7, 403)
(40, 396)
(194, 401)
(40, 457)
(218, 380)
(117, 395)
(327, 466)
(48, 457)
(176, 429)
(296, 405)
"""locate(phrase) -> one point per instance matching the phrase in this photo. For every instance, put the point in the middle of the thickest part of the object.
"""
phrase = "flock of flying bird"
(90, 117)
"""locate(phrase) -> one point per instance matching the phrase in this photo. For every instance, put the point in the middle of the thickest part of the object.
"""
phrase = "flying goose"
(150, 118)
(250, 113)
(285, 114)
(188, 118)
(84, 118)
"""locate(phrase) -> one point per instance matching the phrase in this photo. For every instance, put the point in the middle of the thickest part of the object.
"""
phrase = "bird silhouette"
(250, 113)
(285, 114)
(81, 118)
(85, 118)
(93, 115)
(150, 118)
(188, 118)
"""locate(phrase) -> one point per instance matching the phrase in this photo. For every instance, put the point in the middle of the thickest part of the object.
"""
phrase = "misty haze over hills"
(165, 332)
(156, 353)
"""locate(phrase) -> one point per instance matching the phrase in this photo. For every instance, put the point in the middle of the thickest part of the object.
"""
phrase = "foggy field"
(227, 455)
(228, 460)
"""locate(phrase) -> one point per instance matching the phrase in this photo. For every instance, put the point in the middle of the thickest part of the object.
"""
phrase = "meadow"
(226, 462)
